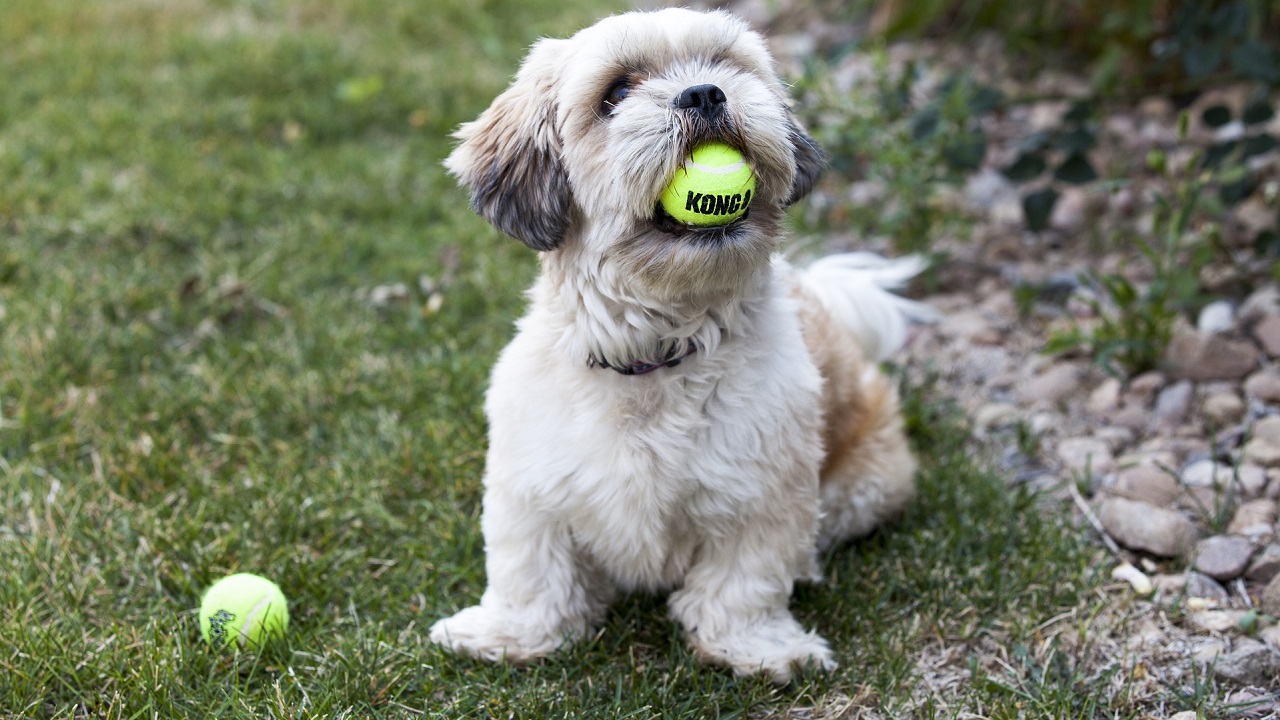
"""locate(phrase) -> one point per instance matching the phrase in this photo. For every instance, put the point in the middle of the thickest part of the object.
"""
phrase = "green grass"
(195, 197)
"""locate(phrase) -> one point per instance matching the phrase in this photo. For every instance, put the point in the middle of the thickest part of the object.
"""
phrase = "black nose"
(707, 100)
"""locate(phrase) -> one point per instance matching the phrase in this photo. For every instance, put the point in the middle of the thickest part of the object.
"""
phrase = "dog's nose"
(707, 100)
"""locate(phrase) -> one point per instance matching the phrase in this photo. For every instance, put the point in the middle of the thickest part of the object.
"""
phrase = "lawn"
(245, 325)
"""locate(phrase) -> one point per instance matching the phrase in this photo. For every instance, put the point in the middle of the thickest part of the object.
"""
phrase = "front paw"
(777, 648)
(495, 636)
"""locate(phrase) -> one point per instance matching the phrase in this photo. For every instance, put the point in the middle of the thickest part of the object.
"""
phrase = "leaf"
(1077, 140)
(1258, 111)
(1267, 244)
(966, 151)
(1260, 144)
(924, 123)
(1218, 152)
(1256, 61)
(1230, 20)
(1200, 59)
(1080, 111)
(1216, 116)
(1076, 169)
(1037, 207)
(984, 99)
(1035, 142)
(1028, 166)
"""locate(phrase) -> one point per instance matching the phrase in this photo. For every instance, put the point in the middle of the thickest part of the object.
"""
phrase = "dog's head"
(581, 146)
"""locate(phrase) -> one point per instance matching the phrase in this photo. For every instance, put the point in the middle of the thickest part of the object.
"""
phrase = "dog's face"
(580, 147)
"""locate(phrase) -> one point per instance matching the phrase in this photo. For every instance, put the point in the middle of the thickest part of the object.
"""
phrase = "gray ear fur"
(509, 157)
(810, 162)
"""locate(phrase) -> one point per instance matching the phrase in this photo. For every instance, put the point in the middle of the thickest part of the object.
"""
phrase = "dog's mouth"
(663, 221)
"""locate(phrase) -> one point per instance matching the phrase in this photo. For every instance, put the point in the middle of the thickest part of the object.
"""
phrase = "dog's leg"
(542, 591)
(733, 606)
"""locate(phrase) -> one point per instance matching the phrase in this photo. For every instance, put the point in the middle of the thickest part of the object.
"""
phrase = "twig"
(1094, 521)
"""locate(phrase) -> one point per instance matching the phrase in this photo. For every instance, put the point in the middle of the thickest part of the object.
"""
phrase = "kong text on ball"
(712, 188)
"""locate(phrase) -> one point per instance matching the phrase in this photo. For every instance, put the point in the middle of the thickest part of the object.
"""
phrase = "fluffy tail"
(854, 288)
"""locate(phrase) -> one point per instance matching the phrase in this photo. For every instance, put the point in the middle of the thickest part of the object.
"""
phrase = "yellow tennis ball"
(713, 188)
(243, 610)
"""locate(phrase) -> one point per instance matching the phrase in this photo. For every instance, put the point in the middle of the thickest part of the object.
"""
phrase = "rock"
(1249, 663)
(1264, 385)
(1261, 452)
(1216, 317)
(1147, 483)
(995, 415)
(1252, 480)
(1142, 526)
(1270, 636)
(1203, 587)
(1085, 453)
(1193, 356)
(1267, 333)
(1216, 621)
(1254, 518)
(1207, 474)
(1265, 564)
(1052, 385)
(1223, 408)
(1263, 303)
(1209, 650)
(1105, 398)
(1185, 715)
(1270, 601)
(1173, 403)
(1143, 387)
(1268, 428)
(1133, 417)
(1224, 557)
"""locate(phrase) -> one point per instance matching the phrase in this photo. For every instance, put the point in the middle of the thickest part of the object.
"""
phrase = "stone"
(1224, 557)
(1270, 636)
(1265, 564)
(1216, 621)
(1216, 317)
(1193, 356)
(1133, 417)
(1199, 585)
(1223, 408)
(1264, 385)
(1261, 304)
(1261, 452)
(1144, 386)
(1253, 518)
(1207, 474)
(1172, 403)
(1086, 453)
(1251, 479)
(1250, 662)
(995, 415)
(1147, 483)
(1142, 526)
(1270, 601)
(1268, 428)
(1051, 386)
(1267, 333)
(1105, 398)
(1185, 715)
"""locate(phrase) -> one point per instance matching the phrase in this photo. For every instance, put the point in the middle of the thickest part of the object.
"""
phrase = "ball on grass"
(243, 611)
(713, 188)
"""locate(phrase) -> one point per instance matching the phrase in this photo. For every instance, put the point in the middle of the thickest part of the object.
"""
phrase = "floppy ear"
(810, 161)
(509, 157)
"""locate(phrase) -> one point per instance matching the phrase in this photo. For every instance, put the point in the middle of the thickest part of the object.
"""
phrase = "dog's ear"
(810, 161)
(509, 158)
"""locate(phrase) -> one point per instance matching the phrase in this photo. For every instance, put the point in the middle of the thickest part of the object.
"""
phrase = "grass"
(197, 199)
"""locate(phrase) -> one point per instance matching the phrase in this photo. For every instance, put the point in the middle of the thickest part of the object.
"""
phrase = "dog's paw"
(777, 648)
(495, 636)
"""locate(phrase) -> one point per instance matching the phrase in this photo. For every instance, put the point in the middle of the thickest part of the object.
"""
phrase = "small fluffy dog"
(680, 410)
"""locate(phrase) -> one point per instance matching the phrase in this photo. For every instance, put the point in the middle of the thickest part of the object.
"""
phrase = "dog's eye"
(617, 93)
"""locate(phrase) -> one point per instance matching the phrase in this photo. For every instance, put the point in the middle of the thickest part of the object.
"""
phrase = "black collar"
(641, 367)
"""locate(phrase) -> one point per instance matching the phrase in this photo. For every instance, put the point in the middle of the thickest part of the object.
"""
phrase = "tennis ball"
(243, 610)
(713, 188)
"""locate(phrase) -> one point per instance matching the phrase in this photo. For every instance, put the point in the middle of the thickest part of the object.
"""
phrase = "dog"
(681, 409)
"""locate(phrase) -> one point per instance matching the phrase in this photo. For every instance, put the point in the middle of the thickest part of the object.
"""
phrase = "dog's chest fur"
(645, 469)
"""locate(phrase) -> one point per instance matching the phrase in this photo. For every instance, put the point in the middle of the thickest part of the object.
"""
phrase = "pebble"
(1147, 483)
(1250, 662)
(1216, 317)
(993, 416)
(1142, 526)
(1216, 621)
(1105, 398)
(1270, 602)
(1265, 564)
(1144, 386)
(1081, 454)
(1254, 518)
(1267, 333)
(1224, 557)
(1263, 303)
(1264, 385)
(1193, 356)
(1223, 408)
(1173, 403)
(1268, 429)
(1052, 385)
(1262, 452)
(1206, 474)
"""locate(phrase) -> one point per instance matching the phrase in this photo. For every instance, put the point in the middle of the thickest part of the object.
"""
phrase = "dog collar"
(641, 367)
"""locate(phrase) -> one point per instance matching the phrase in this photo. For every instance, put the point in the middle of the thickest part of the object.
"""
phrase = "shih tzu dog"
(681, 409)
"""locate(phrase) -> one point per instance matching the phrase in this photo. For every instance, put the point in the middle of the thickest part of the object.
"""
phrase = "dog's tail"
(854, 288)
